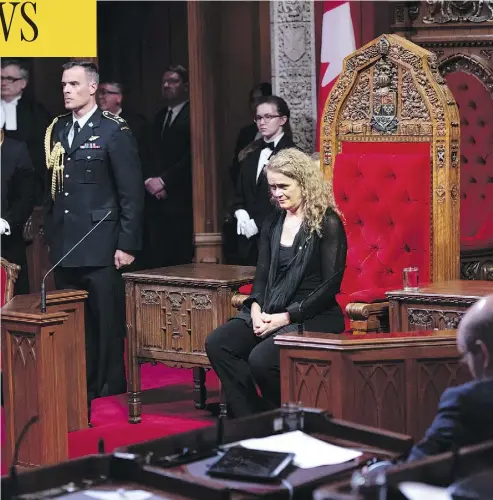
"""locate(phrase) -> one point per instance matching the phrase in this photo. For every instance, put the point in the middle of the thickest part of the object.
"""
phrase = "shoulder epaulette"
(123, 124)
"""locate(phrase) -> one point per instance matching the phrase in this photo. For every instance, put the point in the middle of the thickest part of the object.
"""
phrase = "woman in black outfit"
(251, 204)
(301, 262)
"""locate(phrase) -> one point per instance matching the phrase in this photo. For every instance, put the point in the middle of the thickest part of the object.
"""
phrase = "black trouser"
(242, 360)
(105, 325)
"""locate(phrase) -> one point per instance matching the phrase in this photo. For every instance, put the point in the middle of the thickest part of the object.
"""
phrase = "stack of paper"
(309, 452)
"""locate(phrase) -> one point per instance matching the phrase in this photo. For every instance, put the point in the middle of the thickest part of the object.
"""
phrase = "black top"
(313, 301)
(285, 255)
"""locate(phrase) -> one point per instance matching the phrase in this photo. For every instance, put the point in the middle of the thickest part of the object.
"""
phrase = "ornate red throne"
(390, 145)
(461, 36)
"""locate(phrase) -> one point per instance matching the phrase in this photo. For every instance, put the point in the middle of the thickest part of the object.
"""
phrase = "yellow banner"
(48, 28)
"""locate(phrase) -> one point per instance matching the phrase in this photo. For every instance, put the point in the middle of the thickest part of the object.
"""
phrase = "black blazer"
(464, 418)
(313, 302)
(17, 194)
(140, 130)
(246, 136)
(172, 161)
(32, 121)
(102, 172)
(252, 194)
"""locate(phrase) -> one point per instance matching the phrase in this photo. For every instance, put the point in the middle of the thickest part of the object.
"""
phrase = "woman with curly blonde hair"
(302, 256)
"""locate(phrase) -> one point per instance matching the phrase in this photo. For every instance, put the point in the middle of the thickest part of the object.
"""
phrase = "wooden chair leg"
(199, 388)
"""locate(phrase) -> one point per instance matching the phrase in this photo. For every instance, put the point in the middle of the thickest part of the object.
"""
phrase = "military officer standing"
(95, 174)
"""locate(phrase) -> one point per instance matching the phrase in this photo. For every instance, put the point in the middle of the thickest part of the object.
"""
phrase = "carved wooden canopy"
(390, 90)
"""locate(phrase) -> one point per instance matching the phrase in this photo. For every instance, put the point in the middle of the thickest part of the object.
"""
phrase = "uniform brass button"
(66, 194)
(68, 159)
(88, 157)
(66, 211)
(67, 176)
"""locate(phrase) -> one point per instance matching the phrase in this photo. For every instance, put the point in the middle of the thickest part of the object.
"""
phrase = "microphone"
(43, 286)
(14, 481)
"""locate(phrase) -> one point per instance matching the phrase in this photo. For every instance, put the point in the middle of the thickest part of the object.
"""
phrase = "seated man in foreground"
(465, 413)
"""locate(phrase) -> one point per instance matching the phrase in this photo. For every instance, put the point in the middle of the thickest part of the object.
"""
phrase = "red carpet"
(167, 409)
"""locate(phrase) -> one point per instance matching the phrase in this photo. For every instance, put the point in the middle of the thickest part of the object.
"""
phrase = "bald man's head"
(475, 338)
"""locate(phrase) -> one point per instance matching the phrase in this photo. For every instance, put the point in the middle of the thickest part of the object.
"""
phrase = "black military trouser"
(105, 325)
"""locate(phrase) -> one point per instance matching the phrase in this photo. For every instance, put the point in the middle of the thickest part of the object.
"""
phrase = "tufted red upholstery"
(385, 199)
(476, 112)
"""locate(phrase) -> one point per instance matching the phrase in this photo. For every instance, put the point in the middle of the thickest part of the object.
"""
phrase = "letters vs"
(9, 13)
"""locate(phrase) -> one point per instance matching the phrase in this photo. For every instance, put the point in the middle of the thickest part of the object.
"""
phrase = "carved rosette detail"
(201, 301)
(419, 318)
(441, 156)
(448, 11)
(440, 192)
(176, 299)
(150, 297)
(450, 319)
(455, 193)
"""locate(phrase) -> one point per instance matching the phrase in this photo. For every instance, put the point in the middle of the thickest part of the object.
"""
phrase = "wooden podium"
(44, 374)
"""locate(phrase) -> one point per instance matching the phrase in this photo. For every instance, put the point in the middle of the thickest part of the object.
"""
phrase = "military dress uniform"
(99, 173)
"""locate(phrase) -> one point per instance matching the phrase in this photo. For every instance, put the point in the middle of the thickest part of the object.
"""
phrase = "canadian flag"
(337, 42)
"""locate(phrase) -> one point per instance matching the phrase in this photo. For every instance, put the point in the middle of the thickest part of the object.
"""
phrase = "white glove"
(4, 227)
(242, 217)
(251, 229)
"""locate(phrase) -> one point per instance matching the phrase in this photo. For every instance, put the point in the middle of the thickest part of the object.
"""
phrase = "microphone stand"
(14, 480)
(43, 285)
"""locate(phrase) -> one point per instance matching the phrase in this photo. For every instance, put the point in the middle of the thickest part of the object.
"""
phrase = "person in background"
(25, 119)
(17, 202)
(252, 203)
(465, 412)
(168, 178)
(250, 132)
(299, 271)
(110, 98)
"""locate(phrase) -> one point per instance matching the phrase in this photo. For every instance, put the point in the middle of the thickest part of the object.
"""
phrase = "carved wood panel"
(175, 320)
(310, 383)
(433, 319)
(433, 377)
(379, 387)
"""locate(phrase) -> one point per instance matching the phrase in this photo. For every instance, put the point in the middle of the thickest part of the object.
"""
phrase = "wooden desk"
(389, 381)
(132, 467)
(170, 312)
(439, 470)
(372, 442)
(436, 306)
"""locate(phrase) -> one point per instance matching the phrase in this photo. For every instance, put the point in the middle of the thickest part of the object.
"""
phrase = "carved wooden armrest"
(237, 300)
(368, 318)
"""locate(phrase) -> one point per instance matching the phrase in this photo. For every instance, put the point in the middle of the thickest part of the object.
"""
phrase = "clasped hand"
(264, 324)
